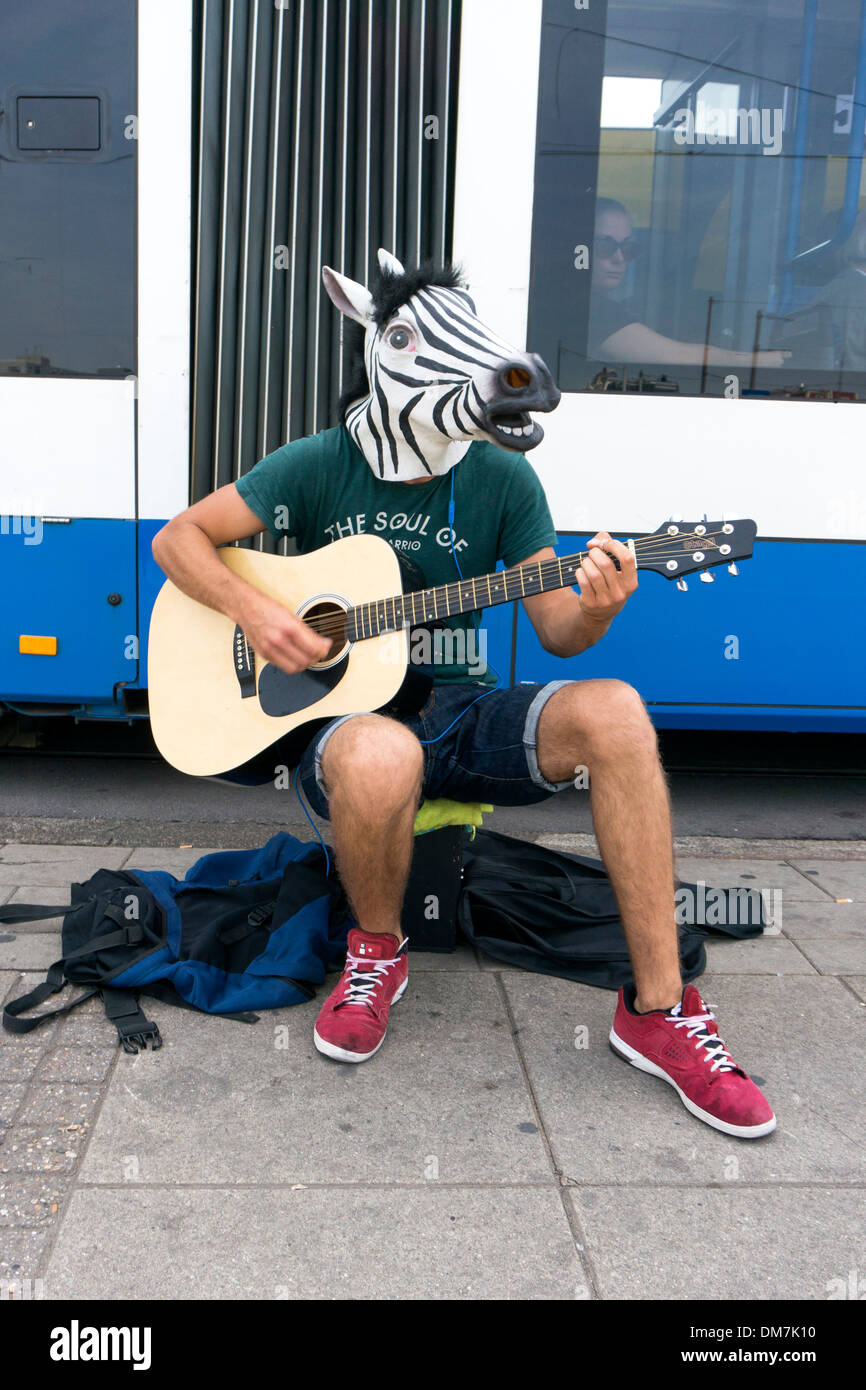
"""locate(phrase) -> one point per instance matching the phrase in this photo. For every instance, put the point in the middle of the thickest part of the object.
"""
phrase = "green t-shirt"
(321, 489)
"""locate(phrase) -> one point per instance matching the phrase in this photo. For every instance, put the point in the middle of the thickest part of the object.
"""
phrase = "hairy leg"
(372, 768)
(603, 725)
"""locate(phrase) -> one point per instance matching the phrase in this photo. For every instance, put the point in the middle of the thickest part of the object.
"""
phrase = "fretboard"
(463, 596)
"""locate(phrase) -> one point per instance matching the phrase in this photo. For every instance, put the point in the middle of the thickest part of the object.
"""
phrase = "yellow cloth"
(432, 815)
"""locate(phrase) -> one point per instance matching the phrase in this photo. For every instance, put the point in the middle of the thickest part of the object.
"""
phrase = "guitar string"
(333, 625)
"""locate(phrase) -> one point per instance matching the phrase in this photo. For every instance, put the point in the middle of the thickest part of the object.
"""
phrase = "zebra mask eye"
(399, 338)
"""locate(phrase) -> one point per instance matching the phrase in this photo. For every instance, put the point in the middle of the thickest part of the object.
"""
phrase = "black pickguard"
(280, 693)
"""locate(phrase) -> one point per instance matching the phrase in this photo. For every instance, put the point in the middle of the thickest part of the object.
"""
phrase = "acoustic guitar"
(215, 705)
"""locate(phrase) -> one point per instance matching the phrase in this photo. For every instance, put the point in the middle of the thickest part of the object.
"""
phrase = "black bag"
(555, 913)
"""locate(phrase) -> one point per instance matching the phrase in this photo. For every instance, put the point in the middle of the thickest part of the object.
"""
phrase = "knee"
(375, 758)
(613, 721)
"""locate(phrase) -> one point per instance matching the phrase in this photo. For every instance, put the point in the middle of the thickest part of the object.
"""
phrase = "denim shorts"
(478, 744)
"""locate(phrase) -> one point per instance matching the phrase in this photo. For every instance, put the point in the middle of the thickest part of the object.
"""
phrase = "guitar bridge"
(245, 667)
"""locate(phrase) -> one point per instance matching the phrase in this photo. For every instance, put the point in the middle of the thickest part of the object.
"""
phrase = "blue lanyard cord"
(485, 693)
(312, 822)
(482, 696)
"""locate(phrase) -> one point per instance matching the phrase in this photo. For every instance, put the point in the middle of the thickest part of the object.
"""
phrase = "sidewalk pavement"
(493, 1149)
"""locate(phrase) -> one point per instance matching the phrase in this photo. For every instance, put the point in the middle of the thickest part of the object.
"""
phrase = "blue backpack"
(244, 930)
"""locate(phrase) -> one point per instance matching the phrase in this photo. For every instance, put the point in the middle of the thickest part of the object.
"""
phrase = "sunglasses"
(607, 247)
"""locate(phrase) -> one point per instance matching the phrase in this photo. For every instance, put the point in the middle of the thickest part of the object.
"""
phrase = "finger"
(601, 538)
(595, 584)
(608, 583)
(307, 640)
(293, 654)
(627, 564)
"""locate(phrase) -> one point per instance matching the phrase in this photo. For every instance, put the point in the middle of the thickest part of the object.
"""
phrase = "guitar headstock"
(680, 548)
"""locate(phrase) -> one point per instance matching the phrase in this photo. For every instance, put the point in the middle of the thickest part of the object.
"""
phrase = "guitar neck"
(463, 596)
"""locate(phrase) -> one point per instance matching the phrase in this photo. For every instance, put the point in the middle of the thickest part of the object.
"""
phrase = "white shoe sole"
(341, 1054)
(629, 1054)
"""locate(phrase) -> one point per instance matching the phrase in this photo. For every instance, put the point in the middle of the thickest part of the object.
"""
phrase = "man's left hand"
(604, 589)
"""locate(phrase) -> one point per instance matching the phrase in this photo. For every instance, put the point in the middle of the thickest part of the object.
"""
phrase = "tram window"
(699, 223)
(67, 189)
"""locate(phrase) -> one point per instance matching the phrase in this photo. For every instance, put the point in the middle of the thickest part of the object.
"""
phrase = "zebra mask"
(431, 377)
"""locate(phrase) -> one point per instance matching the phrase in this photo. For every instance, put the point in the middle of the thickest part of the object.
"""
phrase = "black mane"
(389, 292)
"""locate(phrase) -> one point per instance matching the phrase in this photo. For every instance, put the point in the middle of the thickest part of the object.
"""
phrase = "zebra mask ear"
(389, 263)
(352, 299)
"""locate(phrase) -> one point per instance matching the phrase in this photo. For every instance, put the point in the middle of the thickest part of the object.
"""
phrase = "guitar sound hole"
(329, 620)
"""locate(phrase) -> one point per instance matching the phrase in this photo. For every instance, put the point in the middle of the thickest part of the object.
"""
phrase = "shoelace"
(361, 984)
(694, 1023)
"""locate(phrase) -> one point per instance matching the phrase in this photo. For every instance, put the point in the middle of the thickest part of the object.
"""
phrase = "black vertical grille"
(314, 143)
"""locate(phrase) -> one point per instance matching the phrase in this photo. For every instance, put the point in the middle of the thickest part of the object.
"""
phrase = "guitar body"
(207, 719)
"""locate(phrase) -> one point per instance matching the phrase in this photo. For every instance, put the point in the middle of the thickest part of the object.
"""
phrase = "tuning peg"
(707, 578)
(732, 569)
(682, 586)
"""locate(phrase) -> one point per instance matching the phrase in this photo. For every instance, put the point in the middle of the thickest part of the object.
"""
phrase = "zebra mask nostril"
(517, 378)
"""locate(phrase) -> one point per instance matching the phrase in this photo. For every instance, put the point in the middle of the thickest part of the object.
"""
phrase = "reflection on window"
(700, 211)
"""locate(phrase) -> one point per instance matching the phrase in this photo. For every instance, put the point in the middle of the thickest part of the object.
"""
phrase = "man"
(418, 459)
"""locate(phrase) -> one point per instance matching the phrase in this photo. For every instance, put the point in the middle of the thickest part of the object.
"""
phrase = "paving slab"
(762, 874)
(490, 963)
(11, 1095)
(19, 1062)
(222, 1102)
(838, 877)
(462, 958)
(38, 1149)
(799, 1037)
(29, 950)
(758, 955)
(58, 863)
(318, 1243)
(20, 1255)
(65, 1106)
(858, 984)
(824, 921)
(85, 1065)
(88, 1027)
(720, 846)
(12, 984)
(173, 861)
(30, 1201)
(842, 957)
(714, 1244)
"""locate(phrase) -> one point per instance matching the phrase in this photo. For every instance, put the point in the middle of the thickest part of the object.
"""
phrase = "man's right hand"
(281, 637)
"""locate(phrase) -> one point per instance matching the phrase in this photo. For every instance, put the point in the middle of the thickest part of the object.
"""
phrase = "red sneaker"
(354, 1017)
(684, 1048)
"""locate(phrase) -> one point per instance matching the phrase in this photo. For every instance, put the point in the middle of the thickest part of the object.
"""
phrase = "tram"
(664, 198)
